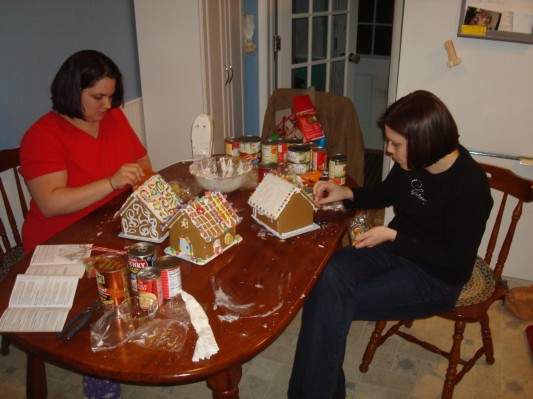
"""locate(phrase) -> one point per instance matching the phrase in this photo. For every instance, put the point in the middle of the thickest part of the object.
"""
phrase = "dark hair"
(426, 123)
(80, 71)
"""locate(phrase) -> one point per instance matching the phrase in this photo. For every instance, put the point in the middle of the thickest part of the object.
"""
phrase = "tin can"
(297, 168)
(282, 151)
(149, 285)
(112, 280)
(140, 255)
(231, 146)
(299, 153)
(250, 148)
(320, 158)
(337, 168)
(269, 151)
(265, 168)
(169, 267)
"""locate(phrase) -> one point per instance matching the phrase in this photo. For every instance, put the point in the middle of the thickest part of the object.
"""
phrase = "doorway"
(344, 47)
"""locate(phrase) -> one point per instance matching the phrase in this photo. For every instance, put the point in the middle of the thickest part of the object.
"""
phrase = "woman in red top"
(83, 152)
(78, 156)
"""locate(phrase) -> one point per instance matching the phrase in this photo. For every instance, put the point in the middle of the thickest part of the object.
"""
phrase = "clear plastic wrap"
(167, 331)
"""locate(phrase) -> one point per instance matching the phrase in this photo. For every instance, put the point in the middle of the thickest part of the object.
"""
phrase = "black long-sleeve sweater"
(440, 218)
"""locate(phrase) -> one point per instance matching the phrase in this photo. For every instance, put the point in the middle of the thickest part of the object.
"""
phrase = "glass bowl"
(220, 173)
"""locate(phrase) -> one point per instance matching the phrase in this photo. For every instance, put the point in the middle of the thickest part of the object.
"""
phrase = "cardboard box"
(307, 118)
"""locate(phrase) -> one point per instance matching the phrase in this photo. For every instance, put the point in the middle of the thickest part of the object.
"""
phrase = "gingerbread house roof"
(211, 214)
(273, 194)
(157, 195)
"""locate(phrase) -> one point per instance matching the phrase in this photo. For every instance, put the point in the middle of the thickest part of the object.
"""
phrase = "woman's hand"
(128, 174)
(375, 236)
(329, 191)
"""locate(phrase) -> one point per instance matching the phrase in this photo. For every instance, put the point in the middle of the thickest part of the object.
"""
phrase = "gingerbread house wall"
(140, 211)
(298, 213)
(200, 248)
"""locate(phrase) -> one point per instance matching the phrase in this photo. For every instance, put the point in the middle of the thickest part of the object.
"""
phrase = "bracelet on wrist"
(111, 184)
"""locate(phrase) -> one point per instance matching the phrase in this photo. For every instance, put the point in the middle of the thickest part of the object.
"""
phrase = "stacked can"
(337, 168)
(250, 148)
(319, 157)
(231, 146)
(140, 255)
(299, 157)
(282, 151)
(170, 275)
(112, 280)
(149, 285)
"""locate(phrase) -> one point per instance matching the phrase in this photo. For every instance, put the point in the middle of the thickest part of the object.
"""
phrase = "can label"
(250, 148)
(297, 168)
(320, 158)
(149, 285)
(112, 280)
(282, 151)
(140, 256)
(231, 146)
(170, 275)
(299, 153)
(337, 168)
(269, 152)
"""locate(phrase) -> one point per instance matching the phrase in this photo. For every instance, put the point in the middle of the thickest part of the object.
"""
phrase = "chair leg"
(487, 339)
(372, 345)
(455, 355)
(4, 350)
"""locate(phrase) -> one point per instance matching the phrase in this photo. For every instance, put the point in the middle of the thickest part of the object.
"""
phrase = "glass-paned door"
(316, 36)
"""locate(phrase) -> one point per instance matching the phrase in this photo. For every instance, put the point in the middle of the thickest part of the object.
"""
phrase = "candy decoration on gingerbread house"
(204, 228)
(148, 210)
(282, 207)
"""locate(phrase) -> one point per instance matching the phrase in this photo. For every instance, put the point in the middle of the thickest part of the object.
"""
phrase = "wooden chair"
(10, 253)
(484, 288)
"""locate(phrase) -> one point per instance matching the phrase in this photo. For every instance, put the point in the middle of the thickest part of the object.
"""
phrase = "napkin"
(206, 346)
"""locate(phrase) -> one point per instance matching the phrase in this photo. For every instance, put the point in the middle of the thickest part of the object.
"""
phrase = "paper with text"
(39, 303)
(59, 260)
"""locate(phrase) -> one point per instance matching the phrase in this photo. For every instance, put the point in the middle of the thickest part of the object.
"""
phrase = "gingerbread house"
(148, 210)
(282, 207)
(203, 228)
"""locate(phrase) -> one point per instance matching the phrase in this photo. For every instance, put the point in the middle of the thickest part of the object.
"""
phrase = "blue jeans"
(358, 284)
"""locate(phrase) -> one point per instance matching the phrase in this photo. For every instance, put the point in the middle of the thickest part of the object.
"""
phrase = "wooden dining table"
(264, 281)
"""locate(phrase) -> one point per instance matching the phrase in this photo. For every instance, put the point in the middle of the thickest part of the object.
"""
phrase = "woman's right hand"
(128, 174)
(329, 191)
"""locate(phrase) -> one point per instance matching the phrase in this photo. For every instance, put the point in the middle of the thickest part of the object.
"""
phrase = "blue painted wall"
(36, 36)
(251, 78)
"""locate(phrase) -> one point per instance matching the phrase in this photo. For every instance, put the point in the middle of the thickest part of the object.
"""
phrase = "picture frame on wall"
(503, 21)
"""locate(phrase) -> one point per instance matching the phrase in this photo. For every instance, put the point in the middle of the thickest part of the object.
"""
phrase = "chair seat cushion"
(480, 286)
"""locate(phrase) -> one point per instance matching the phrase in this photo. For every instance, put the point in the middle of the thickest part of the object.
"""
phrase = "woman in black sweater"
(413, 268)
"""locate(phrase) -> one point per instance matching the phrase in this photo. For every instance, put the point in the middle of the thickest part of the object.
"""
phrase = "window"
(374, 27)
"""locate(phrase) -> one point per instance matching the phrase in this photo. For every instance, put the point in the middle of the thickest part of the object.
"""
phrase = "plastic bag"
(110, 331)
(519, 301)
(357, 225)
(167, 331)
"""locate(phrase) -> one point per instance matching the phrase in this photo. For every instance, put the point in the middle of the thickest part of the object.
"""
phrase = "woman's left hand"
(375, 236)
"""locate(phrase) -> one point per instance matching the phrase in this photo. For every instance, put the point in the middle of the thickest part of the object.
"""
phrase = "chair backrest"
(9, 163)
(510, 185)
(339, 121)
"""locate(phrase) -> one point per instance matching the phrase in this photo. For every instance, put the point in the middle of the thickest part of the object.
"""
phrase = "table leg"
(36, 378)
(225, 385)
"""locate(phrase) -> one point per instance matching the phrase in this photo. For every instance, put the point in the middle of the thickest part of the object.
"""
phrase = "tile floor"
(400, 369)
